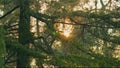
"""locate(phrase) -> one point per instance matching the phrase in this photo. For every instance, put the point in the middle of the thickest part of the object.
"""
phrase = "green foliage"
(21, 49)
(54, 33)
(2, 47)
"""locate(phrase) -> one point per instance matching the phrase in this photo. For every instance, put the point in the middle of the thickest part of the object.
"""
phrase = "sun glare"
(65, 29)
(66, 33)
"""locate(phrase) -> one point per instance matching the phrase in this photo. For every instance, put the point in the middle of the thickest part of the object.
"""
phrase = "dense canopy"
(59, 33)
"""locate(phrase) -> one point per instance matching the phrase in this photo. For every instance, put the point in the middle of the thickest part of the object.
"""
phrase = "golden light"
(65, 29)
(33, 63)
(66, 33)
(68, 29)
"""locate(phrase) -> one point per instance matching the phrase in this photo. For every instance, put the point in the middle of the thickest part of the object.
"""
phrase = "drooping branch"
(21, 49)
(42, 17)
(9, 12)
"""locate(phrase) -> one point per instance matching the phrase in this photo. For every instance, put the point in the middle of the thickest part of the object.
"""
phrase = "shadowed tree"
(25, 36)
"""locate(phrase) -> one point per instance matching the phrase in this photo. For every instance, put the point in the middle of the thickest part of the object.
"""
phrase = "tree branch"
(90, 25)
(113, 39)
(40, 15)
(9, 12)
(94, 15)
(18, 47)
(98, 56)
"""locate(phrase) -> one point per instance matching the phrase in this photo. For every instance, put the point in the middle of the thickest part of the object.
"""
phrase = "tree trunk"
(25, 36)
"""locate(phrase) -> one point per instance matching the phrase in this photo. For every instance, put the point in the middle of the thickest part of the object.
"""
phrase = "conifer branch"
(9, 12)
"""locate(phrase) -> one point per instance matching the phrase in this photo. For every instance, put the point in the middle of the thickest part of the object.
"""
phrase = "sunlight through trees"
(59, 33)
